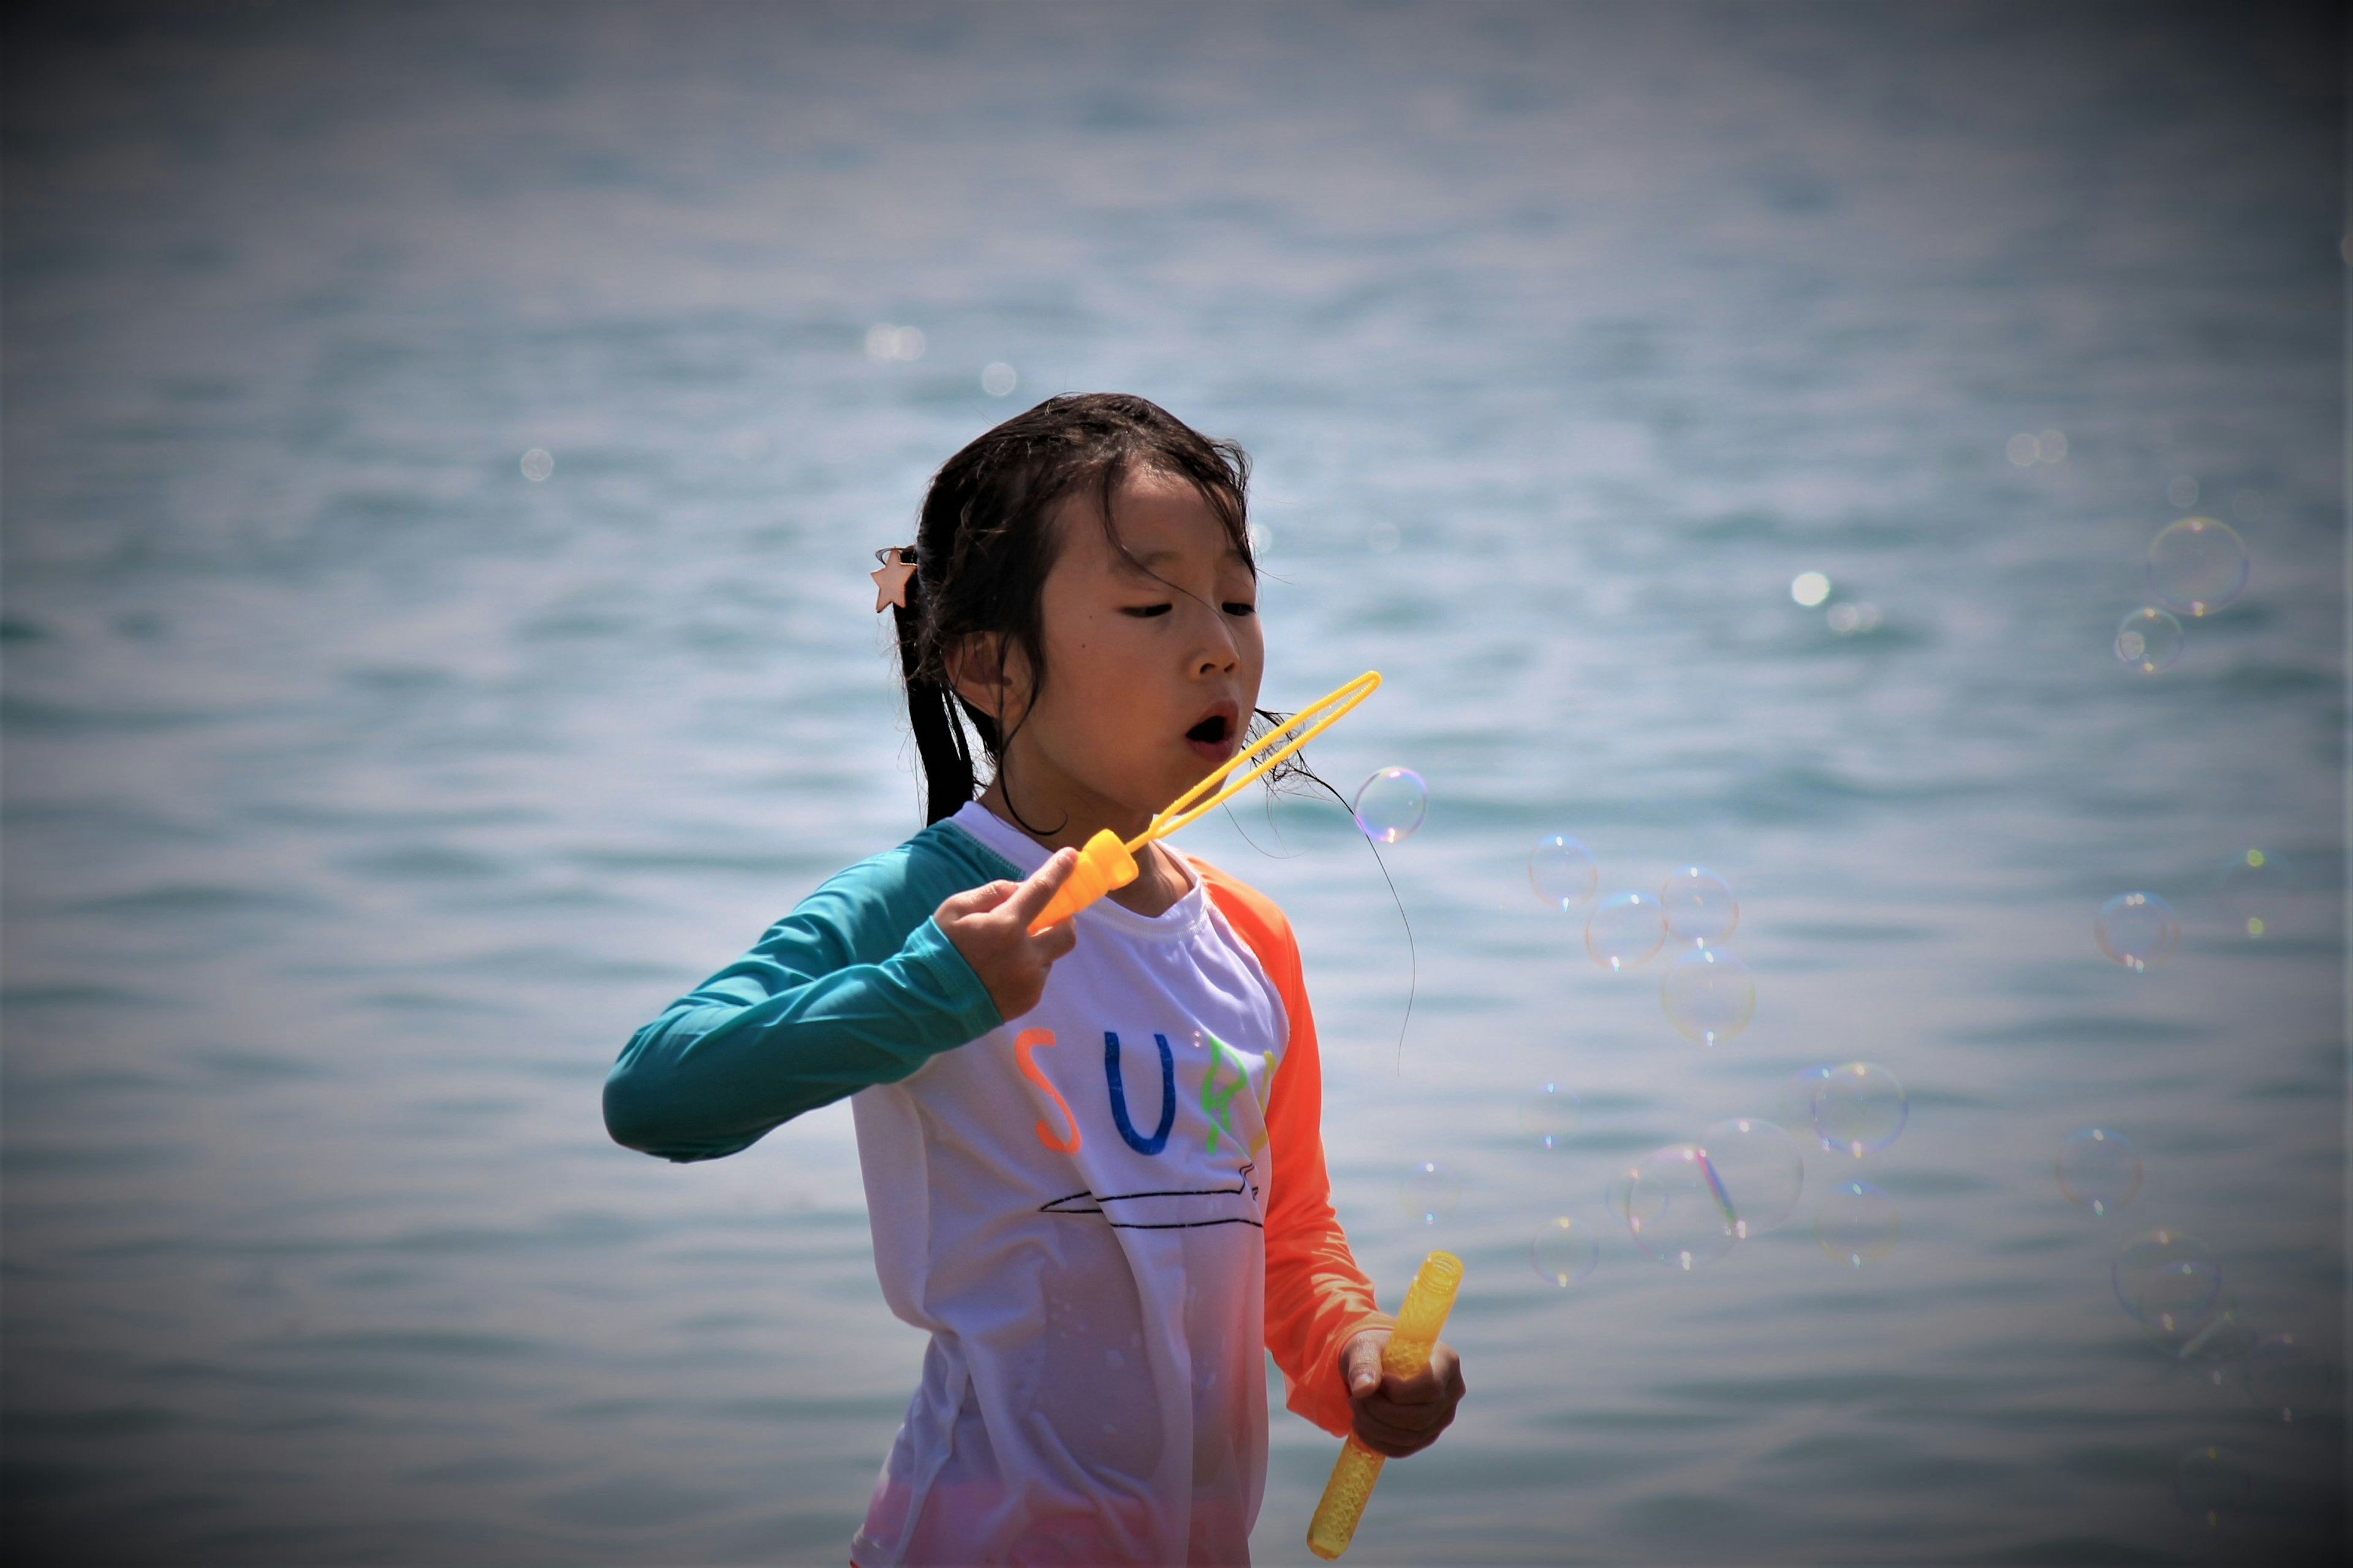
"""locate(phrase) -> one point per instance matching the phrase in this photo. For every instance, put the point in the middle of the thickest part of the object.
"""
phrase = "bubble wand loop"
(1427, 1302)
(1105, 863)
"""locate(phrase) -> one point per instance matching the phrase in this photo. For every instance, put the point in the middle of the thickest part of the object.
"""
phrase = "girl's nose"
(1220, 653)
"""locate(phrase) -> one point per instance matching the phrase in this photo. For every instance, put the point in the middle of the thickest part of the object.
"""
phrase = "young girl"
(1092, 1156)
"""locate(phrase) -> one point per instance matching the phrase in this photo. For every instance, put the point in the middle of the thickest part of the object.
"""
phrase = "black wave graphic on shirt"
(1164, 1210)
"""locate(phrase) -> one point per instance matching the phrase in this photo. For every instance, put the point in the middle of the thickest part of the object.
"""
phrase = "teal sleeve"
(857, 986)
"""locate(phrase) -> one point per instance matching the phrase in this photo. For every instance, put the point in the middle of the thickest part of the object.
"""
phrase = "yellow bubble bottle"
(1105, 863)
(1427, 1302)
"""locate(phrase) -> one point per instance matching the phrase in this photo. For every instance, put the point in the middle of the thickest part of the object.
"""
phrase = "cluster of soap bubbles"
(1707, 994)
(2170, 1286)
(1854, 1109)
(1844, 618)
(2196, 566)
(2254, 890)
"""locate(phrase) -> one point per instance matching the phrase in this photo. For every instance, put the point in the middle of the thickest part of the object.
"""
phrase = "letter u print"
(1159, 1138)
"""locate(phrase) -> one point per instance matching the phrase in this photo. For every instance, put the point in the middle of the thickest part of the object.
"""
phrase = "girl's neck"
(1161, 877)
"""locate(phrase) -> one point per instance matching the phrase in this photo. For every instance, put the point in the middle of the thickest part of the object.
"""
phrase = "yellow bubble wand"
(1427, 1302)
(1105, 863)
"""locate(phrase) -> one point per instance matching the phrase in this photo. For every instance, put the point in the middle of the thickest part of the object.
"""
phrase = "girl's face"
(1152, 659)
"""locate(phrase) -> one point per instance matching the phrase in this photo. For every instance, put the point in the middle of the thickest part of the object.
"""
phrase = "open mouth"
(1212, 730)
(1213, 739)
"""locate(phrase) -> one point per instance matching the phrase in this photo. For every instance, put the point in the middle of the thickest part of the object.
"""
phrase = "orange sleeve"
(1316, 1297)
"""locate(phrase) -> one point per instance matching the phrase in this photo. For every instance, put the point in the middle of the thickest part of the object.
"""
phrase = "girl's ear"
(989, 673)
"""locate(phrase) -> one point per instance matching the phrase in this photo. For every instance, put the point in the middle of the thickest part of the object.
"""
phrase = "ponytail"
(940, 741)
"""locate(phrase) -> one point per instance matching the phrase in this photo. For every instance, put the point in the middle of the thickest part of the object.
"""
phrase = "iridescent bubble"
(2255, 888)
(2139, 1261)
(1564, 1252)
(2177, 1294)
(2285, 1374)
(2209, 1484)
(1391, 804)
(2182, 491)
(2052, 446)
(1624, 930)
(1430, 1192)
(1857, 1223)
(2099, 1169)
(1619, 1197)
(1810, 588)
(2214, 1341)
(1847, 620)
(1699, 906)
(2023, 449)
(2138, 930)
(1759, 1170)
(1549, 1113)
(1562, 871)
(2150, 640)
(1708, 996)
(537, 464)
(1675, 1209)
(998, 379)
(2198, 565)
(1797, 1095)
(1860, 1109)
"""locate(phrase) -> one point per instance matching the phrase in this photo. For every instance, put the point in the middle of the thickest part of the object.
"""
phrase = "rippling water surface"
(363, 796)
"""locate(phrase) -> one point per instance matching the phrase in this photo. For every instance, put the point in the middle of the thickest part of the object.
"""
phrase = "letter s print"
(1023, 1044)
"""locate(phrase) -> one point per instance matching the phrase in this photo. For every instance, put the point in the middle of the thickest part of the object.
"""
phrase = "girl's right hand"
(990, 927)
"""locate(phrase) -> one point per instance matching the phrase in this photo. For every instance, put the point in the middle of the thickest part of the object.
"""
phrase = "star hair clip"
(891, 581)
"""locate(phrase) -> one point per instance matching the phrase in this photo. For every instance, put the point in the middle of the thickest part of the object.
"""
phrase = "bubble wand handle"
(1105, 863)
(1427, 1302)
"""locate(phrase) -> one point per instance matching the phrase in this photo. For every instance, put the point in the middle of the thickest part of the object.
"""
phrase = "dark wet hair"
(984, 546)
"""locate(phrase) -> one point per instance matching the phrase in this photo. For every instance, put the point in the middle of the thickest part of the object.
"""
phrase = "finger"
(1363, 1368)
(1422, 1388)
(1405, 1417)
(1056, 940)
(979, 900)
(1391, 1440)
(1039, 891)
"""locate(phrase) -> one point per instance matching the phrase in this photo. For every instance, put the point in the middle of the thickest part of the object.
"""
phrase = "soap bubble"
(1549, 1113)
(2137, 930)
(1758, 1167)
(1624, 930)
(2220, 1336)
(1810, 588)
(1699, 906)
(2098, 1170)
(2209, 1484)
(2197, 565)
(1619, 1197)
(1859, 1108)
(2150, 640)
(2182, 491)
(998, 379)
(1797, 1095)
(2285, 1375)
(1430, 1192)
(1562, 871)
(537, 464)
(1676, 1211)
(1708, 996)
(2255, 888)
(2177, 1294)
(1563, 1252)
(1857, 1223)
(1390, 804)
(2139, 1261)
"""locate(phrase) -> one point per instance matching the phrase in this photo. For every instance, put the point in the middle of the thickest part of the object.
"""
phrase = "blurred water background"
(364, 795)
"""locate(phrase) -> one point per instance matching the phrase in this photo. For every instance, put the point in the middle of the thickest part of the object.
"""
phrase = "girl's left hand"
(1400, 1415)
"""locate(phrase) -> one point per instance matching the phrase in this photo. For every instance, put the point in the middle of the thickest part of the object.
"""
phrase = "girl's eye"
(1145, 612)
(1236, 607)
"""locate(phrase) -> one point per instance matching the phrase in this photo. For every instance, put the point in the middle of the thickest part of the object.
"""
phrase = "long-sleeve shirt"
(1099, 1210)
